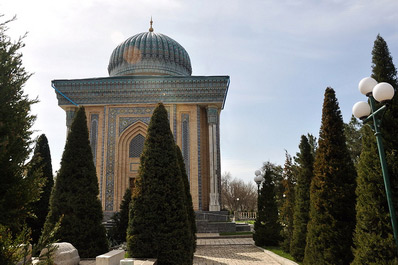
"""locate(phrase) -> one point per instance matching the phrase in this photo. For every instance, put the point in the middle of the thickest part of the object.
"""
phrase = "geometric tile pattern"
(185, 141)
(135, 114)
(111, 142)
(125, 122)
(136, 145)
(141, 89)
(94, 135)
(102, 156)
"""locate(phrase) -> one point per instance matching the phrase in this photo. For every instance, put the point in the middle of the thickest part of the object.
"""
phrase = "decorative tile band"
(199, 161)
(130, 90)
(212, 115)
(94, 136)
(102, 154)
(125, 122)
(185, 142)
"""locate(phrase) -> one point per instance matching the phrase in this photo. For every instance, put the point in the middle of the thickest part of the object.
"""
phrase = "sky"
(280, 56)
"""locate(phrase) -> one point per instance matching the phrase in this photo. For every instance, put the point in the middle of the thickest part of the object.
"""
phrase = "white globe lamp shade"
(361, 110)
(257, 172)
(366, 85)
(383, 92)
(258, 179)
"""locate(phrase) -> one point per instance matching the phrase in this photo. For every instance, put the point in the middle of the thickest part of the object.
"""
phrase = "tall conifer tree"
(332, 194)
(16, 191)
(287, 210)
(75, 195)
(159, 225)
(124, 215)
(383, 70)
(117, 234)
(267, 227)
(188, 202)
(374, 242)
(373, 239)
(305, 165)
(41, 162)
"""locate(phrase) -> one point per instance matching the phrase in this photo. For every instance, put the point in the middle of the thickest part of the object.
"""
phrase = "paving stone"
(232, 254)
(233, 251)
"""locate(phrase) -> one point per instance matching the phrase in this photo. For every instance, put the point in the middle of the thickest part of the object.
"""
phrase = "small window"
(136, 146)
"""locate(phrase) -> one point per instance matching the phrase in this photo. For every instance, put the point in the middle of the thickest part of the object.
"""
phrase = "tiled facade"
(146, 69)
(112, 125)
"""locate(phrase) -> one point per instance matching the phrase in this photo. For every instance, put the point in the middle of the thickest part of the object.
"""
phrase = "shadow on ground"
(225, 254)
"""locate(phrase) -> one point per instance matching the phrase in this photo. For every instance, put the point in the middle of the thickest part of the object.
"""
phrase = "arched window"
(136, 146)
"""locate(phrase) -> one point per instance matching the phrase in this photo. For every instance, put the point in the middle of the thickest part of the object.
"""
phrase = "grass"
(278, 251)
(246, 222)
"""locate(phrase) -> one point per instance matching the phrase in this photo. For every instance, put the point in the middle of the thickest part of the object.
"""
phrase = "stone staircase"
(217, 222)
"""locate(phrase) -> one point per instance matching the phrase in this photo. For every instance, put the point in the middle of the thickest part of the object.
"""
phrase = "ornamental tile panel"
(111, 142)
(129, 90)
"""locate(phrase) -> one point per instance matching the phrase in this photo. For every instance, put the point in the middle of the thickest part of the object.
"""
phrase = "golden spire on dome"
(151, 29)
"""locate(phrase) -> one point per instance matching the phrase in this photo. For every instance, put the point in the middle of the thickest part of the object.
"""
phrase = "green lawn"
(278, 251)
(246, 222)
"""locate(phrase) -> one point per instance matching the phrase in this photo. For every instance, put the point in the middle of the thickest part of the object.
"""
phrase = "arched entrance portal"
(129, 149)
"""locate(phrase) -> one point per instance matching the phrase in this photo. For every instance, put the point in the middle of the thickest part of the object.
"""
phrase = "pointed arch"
(126, 166)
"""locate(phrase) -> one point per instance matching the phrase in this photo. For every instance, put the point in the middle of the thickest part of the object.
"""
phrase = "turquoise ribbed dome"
(149, 53)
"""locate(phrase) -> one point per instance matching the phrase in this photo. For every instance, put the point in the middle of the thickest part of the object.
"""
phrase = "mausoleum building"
(144, 70)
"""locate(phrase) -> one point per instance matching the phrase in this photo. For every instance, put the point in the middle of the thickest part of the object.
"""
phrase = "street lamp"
(258, 179)
(382, 92)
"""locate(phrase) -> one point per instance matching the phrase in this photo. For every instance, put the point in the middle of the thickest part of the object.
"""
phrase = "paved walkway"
(211, 250)
(234, 251)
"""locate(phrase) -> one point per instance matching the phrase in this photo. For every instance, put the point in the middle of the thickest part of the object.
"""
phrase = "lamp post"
(258, 179)
(382, 92)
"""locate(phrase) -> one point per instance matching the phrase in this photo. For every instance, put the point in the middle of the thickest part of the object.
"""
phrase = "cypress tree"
(353, 137)
(41, 161)
(374, 241)
(267, 227)
(124, 214)
(75, 195)
(159, 225)
(188, 200)
(118, 233)
(383, 70)
(16, 191)
(287, 210)
(332, 193)
(305, 163)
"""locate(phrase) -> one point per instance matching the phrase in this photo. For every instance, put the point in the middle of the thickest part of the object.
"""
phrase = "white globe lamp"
(383, 92)
(366, 85)
(361, 110)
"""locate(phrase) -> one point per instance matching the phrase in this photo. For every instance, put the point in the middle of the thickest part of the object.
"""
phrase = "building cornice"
(143, 89)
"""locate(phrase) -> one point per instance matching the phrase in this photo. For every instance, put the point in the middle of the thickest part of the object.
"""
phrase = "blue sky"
(280, 56)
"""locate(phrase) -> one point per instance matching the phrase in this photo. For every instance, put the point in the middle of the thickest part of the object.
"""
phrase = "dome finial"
(151, 29)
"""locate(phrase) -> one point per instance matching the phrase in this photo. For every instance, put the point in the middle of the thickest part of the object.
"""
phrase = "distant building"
(146, 69)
